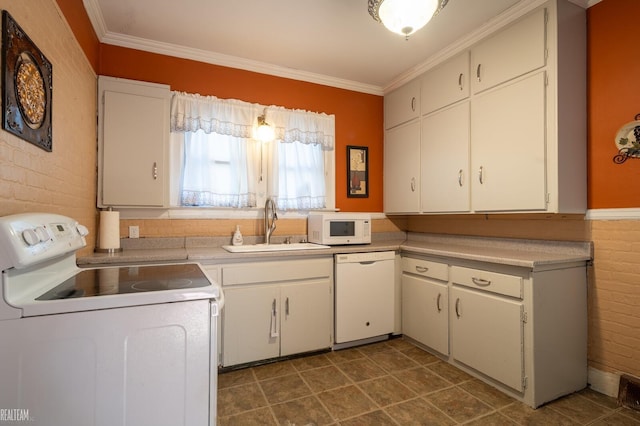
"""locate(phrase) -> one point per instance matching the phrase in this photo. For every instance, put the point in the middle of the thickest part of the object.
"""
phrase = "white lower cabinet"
(425, 303)
(487, 335)
(522, 330)
(276, 308)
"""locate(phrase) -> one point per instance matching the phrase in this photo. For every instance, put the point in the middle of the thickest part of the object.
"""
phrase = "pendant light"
(405, 17)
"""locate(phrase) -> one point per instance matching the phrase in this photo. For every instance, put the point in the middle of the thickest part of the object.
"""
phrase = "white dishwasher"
(364, 295)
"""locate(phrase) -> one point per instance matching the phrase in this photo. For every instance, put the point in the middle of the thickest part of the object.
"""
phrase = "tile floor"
(391, 383)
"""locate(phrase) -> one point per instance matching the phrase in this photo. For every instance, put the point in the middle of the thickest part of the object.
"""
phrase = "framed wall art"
(27, 86)
(357, 171)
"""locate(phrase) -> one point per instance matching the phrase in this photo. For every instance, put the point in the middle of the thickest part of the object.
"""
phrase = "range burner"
(130, 279)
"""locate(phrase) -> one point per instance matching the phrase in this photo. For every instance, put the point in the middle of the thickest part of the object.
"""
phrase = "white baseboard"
(603, 382)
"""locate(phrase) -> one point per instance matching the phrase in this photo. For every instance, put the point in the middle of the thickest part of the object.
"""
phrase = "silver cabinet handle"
(478, 72)
(438, 302)
(274, 320)
(480, 282)
(155, 171)
(413, 184)
(460, 85)
(421, 269)
(413, 104)
(460, 177)
(457, 307)
(481, 175)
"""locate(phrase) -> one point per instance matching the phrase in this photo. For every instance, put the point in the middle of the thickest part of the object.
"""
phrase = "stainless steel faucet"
(269, 224)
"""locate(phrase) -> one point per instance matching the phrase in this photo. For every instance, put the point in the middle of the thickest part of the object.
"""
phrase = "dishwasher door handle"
(367, 262)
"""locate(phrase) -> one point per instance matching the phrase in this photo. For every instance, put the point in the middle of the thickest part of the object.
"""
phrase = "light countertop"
(531, 254)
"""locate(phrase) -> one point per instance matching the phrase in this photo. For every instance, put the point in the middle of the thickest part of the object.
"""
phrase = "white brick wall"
(62, 181)
(614, 297)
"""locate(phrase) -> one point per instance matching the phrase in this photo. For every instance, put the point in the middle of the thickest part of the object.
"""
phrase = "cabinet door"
(402, 105)
(134, 131)
(487, 335)
(512, 52)
(508, 141)
(402, 169)
(445, 84)
(250, 324)
(425, 312)
(305, 317)
(445, 160)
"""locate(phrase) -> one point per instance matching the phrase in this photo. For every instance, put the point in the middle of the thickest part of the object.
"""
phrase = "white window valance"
(193, 112)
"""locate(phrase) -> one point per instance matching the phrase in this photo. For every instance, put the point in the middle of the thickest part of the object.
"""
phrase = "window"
(217, 171)
(217, 163)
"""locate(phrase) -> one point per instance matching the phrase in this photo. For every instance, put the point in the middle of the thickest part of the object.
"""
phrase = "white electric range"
(119, 345)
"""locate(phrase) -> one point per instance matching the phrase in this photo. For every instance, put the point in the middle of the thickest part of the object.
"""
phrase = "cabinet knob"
(460, 85)
(155, 171)
(481, 175)
(413, 104)
(438, 302)
(478, 73)
(460, 177)
(421, 269)
(458, 307)
(413, 184)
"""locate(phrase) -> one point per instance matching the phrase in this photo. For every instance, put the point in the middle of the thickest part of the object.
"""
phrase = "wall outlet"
(134, 232)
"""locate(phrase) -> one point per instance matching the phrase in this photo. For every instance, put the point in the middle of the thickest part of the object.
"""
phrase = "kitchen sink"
(251, 248)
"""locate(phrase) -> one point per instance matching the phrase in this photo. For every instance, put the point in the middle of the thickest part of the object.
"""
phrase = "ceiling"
(331, 42)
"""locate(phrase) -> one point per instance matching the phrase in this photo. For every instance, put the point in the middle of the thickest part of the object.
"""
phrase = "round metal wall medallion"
(32, 98)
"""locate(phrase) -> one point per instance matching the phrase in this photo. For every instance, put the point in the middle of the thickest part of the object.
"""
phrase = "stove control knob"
(30, 237)
(43, 234)
(82, 230)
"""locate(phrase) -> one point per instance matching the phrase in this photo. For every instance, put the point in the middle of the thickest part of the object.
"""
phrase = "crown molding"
(95, 16)
(235, 62)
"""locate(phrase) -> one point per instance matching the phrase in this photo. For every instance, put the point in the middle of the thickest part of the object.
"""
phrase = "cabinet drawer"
(509, 285)
(426, 268)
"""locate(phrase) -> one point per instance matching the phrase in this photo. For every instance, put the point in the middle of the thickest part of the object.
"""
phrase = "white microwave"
(339, 228)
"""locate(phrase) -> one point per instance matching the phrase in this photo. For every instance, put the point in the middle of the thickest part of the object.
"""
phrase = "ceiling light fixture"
(405, 17)
(264, 132)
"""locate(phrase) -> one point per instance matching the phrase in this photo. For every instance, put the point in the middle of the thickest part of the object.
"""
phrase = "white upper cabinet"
(402, 105)
(508, 132)
(402, 169)
(445, 179)
(133, 138)
(522, 146)
(445, 84)
(512, 52)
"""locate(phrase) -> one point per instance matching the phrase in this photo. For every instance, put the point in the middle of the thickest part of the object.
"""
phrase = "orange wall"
(358, 116)
(614, 85)
(82, 29)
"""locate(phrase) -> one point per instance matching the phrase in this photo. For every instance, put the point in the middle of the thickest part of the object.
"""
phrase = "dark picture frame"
(357, 171)
(27, 87)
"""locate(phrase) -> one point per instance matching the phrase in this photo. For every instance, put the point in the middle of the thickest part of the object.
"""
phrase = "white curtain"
(230, 183)
(296, 174)
(296, 179)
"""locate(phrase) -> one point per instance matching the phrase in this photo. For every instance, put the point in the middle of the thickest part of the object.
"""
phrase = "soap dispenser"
(237, 237)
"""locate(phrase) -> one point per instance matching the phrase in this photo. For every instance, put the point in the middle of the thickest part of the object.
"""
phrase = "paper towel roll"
(109, 230)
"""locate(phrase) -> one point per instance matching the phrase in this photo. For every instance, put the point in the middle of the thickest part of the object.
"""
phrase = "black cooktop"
(128, 279)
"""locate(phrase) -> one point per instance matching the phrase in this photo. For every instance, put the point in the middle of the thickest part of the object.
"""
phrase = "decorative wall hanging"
(628, 141)
(27, 86)
(357, 171)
